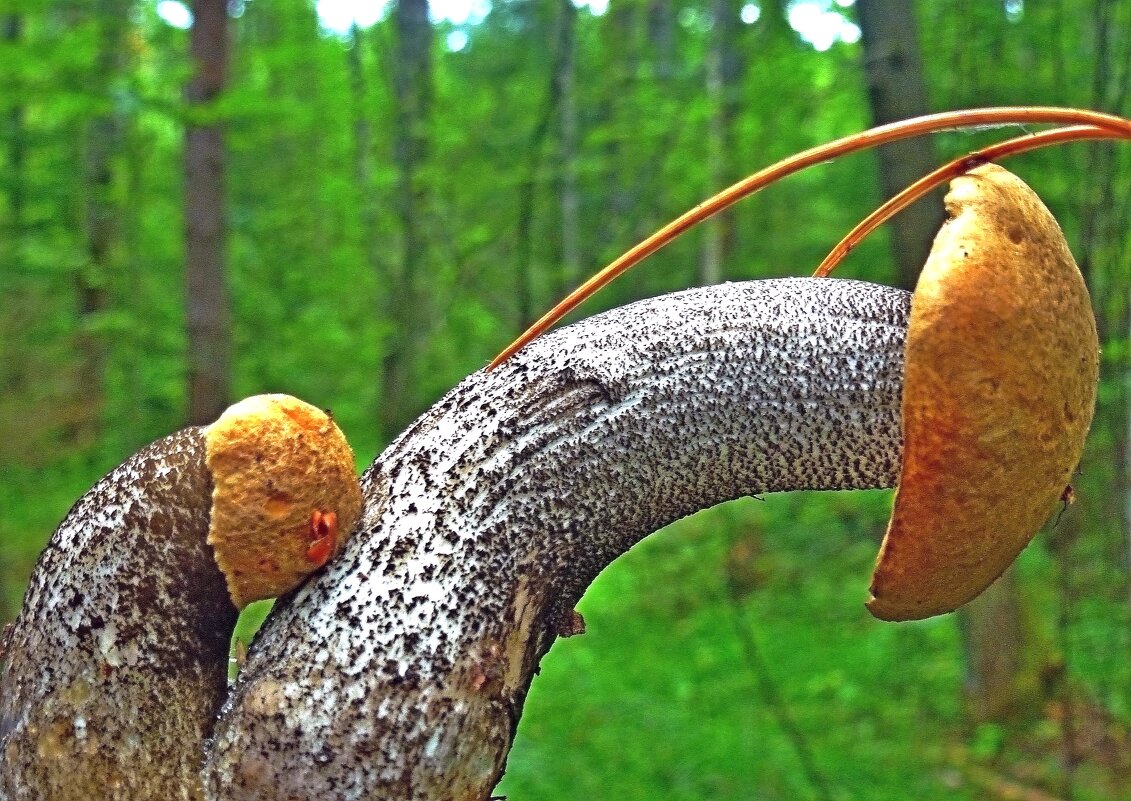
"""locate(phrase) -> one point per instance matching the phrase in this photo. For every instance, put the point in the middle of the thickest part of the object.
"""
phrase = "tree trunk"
(775, 22)
(662, 39)
(722, 75)
(897, 90)
(104, 135)
(560, 105)
(209, 306)
(1104, 249)
(13, 31)
(992, 639)
(620, 82)
(372, 244)
(412, 78)
(11, 242)
(362, 150)
(992, 628)
(569, 197)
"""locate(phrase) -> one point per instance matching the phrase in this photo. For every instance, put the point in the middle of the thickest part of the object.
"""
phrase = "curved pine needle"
(969, 118)
(952, 169)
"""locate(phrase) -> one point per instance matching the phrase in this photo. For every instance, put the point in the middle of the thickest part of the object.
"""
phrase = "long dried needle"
(952, 169)
(815, 155)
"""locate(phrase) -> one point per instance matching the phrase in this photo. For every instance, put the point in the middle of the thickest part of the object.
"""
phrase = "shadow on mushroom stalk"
(399, 671)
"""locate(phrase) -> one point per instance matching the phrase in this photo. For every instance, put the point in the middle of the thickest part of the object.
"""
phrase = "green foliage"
(660, 699)
(717, 651)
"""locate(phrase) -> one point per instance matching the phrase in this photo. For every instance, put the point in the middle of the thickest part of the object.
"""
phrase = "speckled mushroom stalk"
(117, 665)
(400, 673)
(118, 661)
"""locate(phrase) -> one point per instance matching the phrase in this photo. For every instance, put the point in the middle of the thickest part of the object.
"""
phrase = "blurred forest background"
(360, 203)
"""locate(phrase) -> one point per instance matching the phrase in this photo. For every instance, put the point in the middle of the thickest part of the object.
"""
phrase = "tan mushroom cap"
(285, 494)
(1001, 364)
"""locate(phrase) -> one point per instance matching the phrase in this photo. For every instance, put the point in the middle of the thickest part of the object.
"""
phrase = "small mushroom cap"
(1001, 365)
(285, 494)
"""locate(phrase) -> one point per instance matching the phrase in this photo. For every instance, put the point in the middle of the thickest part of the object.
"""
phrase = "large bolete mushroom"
(1000, 374)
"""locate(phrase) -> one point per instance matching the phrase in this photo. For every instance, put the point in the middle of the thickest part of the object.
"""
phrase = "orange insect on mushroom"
(324, 537)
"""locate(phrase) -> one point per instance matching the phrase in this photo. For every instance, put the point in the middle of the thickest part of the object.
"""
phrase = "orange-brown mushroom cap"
(1001, 365)
(285, 494)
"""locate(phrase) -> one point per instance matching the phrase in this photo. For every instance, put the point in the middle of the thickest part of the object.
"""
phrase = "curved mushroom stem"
(400, 673)
(118, 662)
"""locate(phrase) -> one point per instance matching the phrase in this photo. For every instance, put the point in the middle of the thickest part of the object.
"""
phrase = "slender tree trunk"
(722, 74)
(897, 90)
(10, 242)
(661, 37)
(13, 32)
(1124, 449)
(11, 236)
(775, 22)
(992, 628)
(104, 135)
(209, 306)
(711, 255)
(412, 76)
(621, 82)
(560, 105)
(372, 244)
(1103, 257)
(524, 225)
(569, 196)
(992, 641)
(362, 144)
